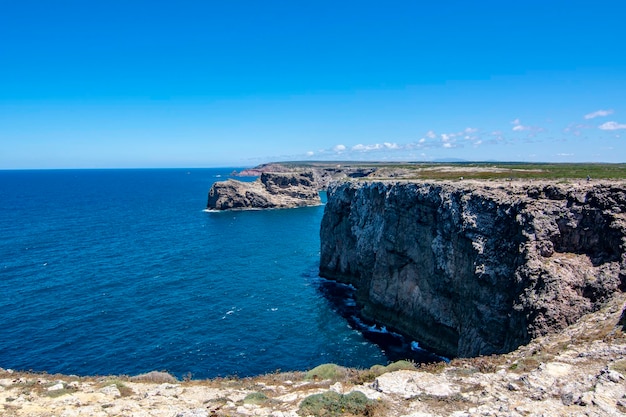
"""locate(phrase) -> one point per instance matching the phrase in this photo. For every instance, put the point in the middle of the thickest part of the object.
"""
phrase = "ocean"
(123, 272)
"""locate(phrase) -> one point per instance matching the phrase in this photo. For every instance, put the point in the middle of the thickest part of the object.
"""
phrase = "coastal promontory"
(270, 190)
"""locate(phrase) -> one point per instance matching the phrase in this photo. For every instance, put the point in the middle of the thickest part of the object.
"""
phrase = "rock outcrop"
(323, 173)
(270, 190)
(472, 268)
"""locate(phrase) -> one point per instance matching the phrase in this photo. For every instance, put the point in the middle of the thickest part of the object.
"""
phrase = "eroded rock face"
(474, 268)
(270, 190)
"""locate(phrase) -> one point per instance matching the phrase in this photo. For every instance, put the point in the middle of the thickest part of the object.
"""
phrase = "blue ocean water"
(122, 272)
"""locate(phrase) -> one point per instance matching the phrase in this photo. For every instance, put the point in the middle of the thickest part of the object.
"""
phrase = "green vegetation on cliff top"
(483, 170)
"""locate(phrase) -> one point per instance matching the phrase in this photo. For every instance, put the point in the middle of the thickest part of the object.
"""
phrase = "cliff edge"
(270, 190)
(473, 268)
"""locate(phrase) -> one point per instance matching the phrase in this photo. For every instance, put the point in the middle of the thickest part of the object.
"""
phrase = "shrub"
(255, 398)
(399, 366)
(332, 404)
(326, 371)
(156, 377)
(369, 375)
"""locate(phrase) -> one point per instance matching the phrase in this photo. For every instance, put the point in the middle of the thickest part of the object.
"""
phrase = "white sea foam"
(373, 328)
(415, 346)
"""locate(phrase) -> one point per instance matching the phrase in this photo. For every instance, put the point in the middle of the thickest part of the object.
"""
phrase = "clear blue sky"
(86, 84)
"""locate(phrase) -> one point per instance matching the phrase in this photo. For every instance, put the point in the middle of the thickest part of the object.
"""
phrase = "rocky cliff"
(270, 190)
(323, 173)
(472, 268)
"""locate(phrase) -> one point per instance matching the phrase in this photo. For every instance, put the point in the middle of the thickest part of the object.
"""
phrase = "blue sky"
(237, 83)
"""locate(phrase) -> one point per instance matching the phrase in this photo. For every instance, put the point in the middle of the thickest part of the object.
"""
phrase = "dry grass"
(482, 364)
(59, 392)
(619, 366)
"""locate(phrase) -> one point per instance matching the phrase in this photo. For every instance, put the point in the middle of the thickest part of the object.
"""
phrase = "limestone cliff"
(474, 268)
(270, 190)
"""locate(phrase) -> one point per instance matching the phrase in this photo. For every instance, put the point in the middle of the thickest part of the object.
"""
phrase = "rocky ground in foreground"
(579, 372)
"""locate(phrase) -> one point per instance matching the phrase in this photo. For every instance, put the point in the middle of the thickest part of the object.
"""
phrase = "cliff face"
(270, 190)
(471, 268)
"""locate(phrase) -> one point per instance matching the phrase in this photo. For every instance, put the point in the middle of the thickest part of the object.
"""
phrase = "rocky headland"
(322, 173)
(473, 268)
(281, 185)
(270, 190)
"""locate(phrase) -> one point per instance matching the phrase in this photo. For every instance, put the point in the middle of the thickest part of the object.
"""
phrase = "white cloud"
(612, 126)
(310, 153)
(422, 140)
(517, 125)
(564, 154)
(445, 137)
(470, 130)
(375, 147)
(576, 128)
(598, 113)
(447, 145)
(339, 148)
(364, 148)
(431, 135)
